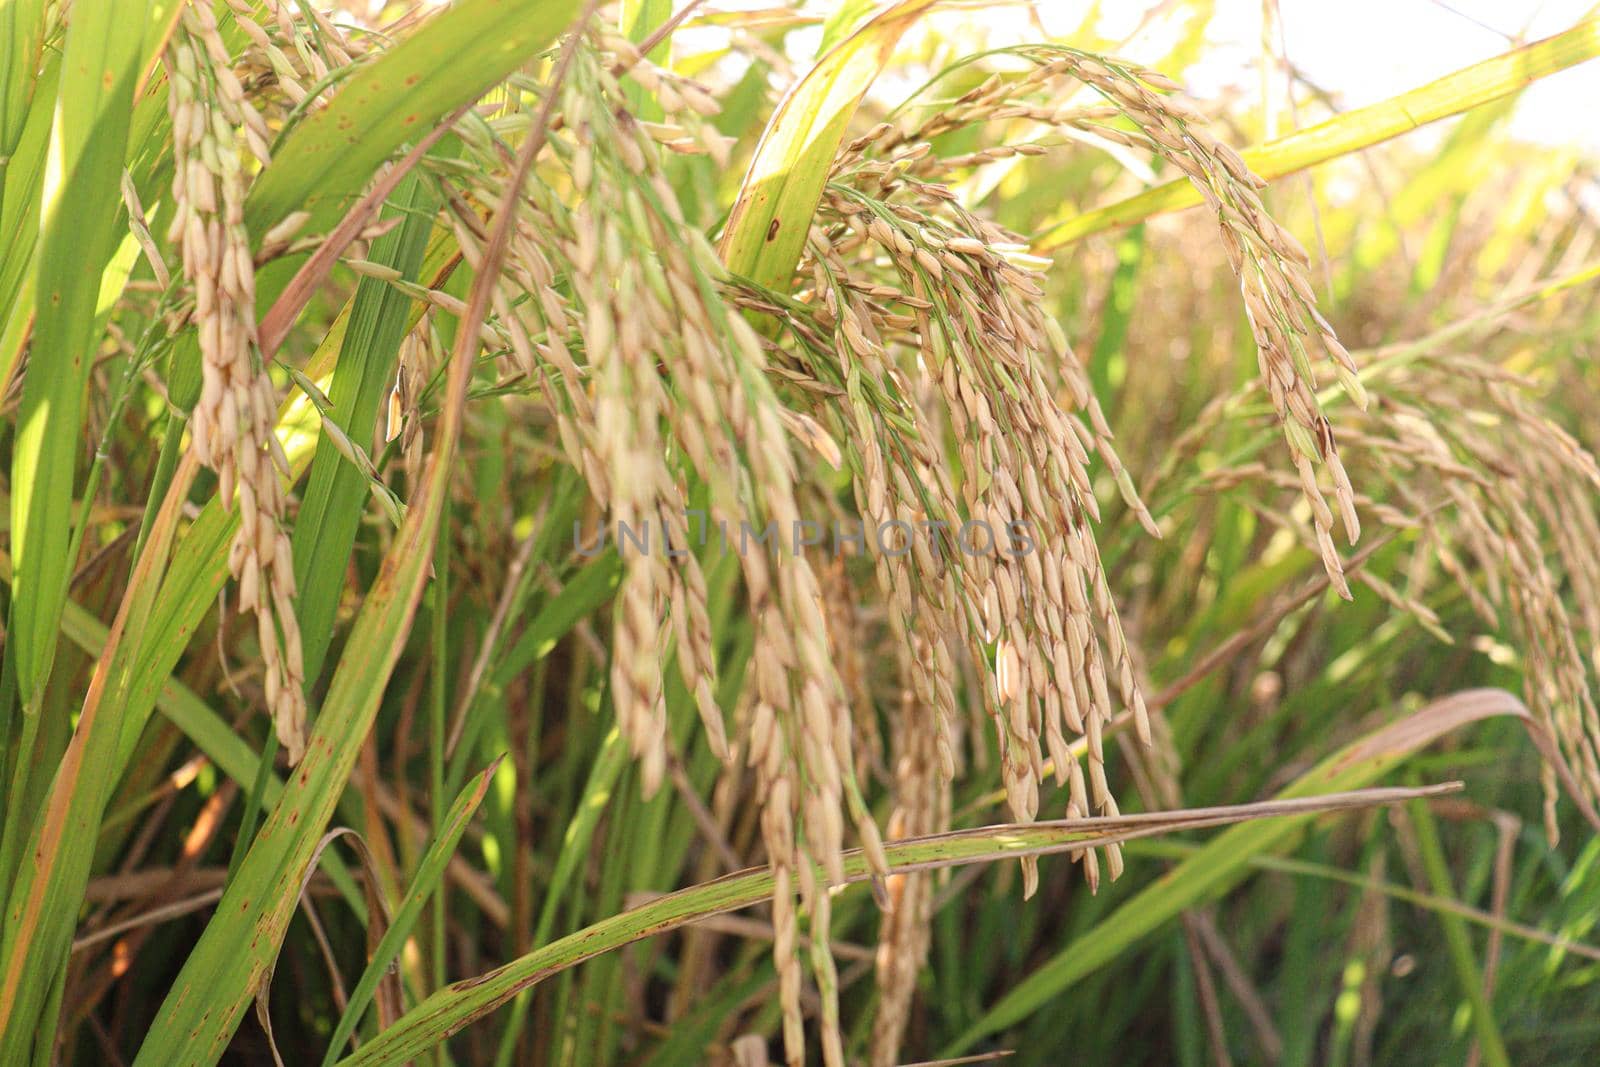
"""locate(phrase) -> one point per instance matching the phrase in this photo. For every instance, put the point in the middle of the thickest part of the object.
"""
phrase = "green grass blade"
(24, 27)
(608, 767)
(1490, 1044)
(187, 590)
(639, 17)
(609, 764)
(1364, 127)
(199, 723)
(1309, 871)
(767, 228)
(584, 592)
(19, 219)
(845, 17)
(101, 64)
(215, 987)
(429, 871)
(200, 570)
(452, 60)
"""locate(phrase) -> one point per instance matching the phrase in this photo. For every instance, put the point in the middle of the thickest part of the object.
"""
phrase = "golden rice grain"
(232, 425)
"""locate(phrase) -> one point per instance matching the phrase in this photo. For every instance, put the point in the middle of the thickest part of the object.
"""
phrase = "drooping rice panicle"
(232, 425)
(1502, 503)
(654, 380)
(1268, 261)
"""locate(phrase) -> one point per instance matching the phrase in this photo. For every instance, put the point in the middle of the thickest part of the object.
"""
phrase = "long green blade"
(19, 218)
(42, 904)
(429, 871)
(101, 65)
(451, 61)
(211, 994)
(336, 492)
(231, 960)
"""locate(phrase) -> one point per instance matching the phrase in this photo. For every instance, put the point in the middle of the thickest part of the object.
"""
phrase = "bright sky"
(1367, 50)
(1360, 50)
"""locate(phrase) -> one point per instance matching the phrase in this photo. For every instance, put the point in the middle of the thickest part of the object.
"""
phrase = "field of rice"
(560, 532)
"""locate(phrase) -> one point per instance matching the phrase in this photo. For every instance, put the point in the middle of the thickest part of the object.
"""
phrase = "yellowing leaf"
(767, 228)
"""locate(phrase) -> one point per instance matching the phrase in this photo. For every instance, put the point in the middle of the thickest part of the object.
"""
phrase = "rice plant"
(537, 538)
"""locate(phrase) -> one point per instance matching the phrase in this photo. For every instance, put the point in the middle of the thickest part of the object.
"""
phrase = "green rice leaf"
(639, 18)
(232, 959)
(19, 219)
(215, 987)
(42, 904)
(101, 65)
(23, 28)
(429, 871)
(336, 492)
